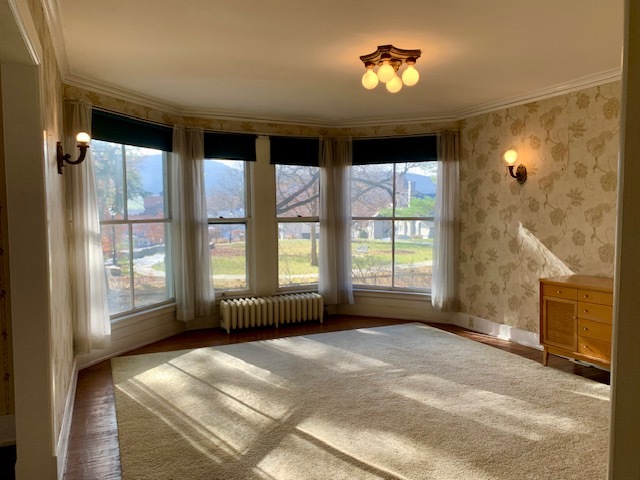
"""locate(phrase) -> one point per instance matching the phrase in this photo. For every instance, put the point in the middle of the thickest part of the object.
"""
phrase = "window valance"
(295, 151)
(112, 127)
(395, 150)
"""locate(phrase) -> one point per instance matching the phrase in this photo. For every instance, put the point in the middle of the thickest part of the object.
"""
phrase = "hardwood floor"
(93, 444)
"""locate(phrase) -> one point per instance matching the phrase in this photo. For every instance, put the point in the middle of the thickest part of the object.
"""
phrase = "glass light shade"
(510, 157)
(395, 84)
(410, 76)
(386, 72)
(369, 79)
(83, 137)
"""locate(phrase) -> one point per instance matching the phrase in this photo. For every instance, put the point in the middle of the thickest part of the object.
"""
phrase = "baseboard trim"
(62, 445)
(498, 330)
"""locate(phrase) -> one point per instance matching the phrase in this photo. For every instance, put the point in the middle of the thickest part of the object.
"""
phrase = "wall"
(561, 221)
(61, 329)
(6, 351)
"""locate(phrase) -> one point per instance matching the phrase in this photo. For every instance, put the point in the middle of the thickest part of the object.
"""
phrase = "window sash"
(393, 219)
(245, 220)
(130, 224)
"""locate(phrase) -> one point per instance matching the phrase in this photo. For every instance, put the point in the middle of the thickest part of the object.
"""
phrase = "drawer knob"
(586, 296)
(586, 311)
(585, 329)
(559, 291)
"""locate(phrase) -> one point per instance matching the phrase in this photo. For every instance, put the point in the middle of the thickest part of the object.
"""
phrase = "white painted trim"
(7, 430)
(141, 316)
(171, 108)
(27, 28)
(62, 445)
(498, 330)
(397, 305)
(132, 334)
(204, 322)
(52, 15)
(30, 283)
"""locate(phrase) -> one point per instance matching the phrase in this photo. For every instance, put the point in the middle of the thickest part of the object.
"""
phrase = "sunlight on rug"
(398, 402)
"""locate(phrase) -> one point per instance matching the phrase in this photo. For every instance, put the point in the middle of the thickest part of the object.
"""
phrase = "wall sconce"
(510, 157)
(83, 140)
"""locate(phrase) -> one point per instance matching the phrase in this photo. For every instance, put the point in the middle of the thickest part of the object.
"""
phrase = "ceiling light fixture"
(389, 59)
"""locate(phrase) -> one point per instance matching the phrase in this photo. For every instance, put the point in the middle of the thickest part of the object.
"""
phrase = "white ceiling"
(298, 61)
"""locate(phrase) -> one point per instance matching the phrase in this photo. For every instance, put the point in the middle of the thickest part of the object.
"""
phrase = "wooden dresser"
(575, 318)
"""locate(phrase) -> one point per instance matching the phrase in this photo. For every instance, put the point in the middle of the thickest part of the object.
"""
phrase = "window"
(392, 225)
(297, 208)
(133, 201)
(297, 179)
(226, 195)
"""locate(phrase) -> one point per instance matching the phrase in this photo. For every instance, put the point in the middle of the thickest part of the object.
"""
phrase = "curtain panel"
(91, 321)
(190, 229)
(334, 277)
(445, 279)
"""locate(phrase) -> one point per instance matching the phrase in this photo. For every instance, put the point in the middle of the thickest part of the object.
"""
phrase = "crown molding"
(545, 93)
(52, 16)
(171, 108)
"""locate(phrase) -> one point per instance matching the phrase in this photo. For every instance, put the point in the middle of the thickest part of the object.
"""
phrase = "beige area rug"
(399, 402)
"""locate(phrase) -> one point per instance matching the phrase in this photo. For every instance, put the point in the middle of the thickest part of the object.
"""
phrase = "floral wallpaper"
(560, 221)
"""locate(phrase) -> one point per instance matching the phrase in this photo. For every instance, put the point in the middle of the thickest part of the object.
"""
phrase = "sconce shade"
(83, 137)
(510, 157)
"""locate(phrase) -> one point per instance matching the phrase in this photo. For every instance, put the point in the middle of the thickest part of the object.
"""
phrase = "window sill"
(141, 316)
(392, 294)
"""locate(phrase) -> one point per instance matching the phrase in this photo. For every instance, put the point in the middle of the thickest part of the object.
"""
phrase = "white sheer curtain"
(190, 239)
(444, 290)
(91, 322)
(334, 282)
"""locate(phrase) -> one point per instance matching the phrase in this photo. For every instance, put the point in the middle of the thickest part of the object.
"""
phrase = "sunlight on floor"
(509, 414)
(334, 359)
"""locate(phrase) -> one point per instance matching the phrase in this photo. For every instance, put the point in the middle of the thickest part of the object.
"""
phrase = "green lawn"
(369, 258)
(294, 258)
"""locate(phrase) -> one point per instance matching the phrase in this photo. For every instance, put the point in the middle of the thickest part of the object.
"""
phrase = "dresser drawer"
(593, 311)
(595, 330)
(559, 292)
(600, 298)
(594, 348)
